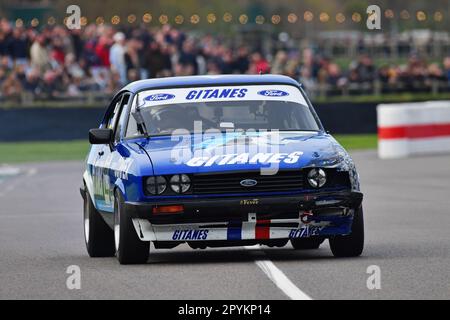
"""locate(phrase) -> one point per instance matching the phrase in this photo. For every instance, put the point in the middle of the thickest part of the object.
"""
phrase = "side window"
(112, 117)
(132, 130)
(122, 112)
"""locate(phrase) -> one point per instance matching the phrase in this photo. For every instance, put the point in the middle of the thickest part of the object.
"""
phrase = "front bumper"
(243, 218)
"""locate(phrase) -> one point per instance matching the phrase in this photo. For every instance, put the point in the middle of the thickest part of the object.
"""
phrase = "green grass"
(357, 141)
(77, 150)
(43, 151)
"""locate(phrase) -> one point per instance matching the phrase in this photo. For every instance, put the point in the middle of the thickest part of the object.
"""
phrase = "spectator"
(365, 69)
(133, 60)
(188, 58)
(11, 87)
(242, 63)
(227, 61)
(258, 64)
(3, 76)
(307, 80)
(32, 82)
(279, 64)
(102, 51)
(447, 68)
(334, 76)
(72, 68)
(435, 72)
(39, 54)
(19, 47)
(117, 57)
(52, 85)
(156, 60)
(5, 37)
(54, 62)
(213, 68)
(58, 53)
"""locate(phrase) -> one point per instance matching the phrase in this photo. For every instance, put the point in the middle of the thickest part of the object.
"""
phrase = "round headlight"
(317, 178)
(156, 185)
(180, 183)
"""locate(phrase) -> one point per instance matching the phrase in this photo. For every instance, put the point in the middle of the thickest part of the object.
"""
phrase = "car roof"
(213, 80)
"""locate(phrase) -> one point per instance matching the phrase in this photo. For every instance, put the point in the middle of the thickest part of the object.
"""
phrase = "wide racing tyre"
(306, 243)
(351, 245)
(129, 248)
(98, 236)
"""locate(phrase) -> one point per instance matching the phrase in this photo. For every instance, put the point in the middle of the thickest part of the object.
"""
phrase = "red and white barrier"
(406, 129)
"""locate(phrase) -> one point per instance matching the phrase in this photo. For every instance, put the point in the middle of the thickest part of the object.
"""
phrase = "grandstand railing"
(319, 90)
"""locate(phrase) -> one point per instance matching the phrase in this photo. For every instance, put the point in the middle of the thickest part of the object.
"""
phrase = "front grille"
(283, 181)
(223, 183)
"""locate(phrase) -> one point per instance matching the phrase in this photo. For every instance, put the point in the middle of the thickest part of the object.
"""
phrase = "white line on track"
(11, 186)
(9, 171)
(280, 279)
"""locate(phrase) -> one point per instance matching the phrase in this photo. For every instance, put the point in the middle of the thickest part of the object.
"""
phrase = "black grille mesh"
(282, 181)
(231, 182)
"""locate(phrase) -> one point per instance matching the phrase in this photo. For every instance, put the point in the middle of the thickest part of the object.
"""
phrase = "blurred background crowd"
(54, 62)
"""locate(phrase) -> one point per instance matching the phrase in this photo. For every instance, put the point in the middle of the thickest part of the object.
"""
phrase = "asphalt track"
(407, 212)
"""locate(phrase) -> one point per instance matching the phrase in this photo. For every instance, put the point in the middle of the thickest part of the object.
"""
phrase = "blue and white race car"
(217, 161)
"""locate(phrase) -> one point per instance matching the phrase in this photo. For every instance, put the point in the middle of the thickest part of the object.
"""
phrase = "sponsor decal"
(248, 183)
(245, 158)
(120, 175)
(224, 93)
(262, 229)
(159, 97)
(234, 231)
(216, 93)
(305, 232)
(273, 93)
(249, 202)
(306, 217)
(190, 234)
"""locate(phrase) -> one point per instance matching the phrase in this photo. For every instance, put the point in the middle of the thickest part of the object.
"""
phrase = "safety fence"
(73, 122)
(408, 129)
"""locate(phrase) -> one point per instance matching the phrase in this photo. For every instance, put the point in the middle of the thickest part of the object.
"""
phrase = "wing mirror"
(100, 136)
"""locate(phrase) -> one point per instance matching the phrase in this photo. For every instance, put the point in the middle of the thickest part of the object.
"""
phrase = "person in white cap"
(117, 57)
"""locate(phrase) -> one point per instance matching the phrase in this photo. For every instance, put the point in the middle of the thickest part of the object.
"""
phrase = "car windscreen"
(186, 110)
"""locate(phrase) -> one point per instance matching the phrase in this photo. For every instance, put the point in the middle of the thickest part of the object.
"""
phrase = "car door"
(109, 157)
(114, 158)
(104, 159)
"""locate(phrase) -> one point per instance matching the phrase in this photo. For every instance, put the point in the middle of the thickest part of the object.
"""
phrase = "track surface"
(407, 211)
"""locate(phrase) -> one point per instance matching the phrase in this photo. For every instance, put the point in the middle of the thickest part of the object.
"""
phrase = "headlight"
(156, 185)
(180, 183)
(317, 178)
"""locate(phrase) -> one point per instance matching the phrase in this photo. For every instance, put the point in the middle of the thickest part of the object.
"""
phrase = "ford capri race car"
(215, 161)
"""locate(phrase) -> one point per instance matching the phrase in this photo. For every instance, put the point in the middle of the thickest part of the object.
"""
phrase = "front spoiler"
(321, 214)
(237, 208)
(262, 230)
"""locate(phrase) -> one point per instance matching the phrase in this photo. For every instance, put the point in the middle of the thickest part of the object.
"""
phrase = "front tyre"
(98, 236)
(129, 248)
(351, 245)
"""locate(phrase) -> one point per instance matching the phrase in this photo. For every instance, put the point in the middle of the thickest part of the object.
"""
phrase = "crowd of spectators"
(57, 62)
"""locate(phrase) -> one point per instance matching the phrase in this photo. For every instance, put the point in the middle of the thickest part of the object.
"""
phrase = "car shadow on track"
(372, 253)
(238, 255)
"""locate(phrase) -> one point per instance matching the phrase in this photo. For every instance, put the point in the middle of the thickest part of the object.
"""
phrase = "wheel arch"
(89, 187)
(119, 186)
